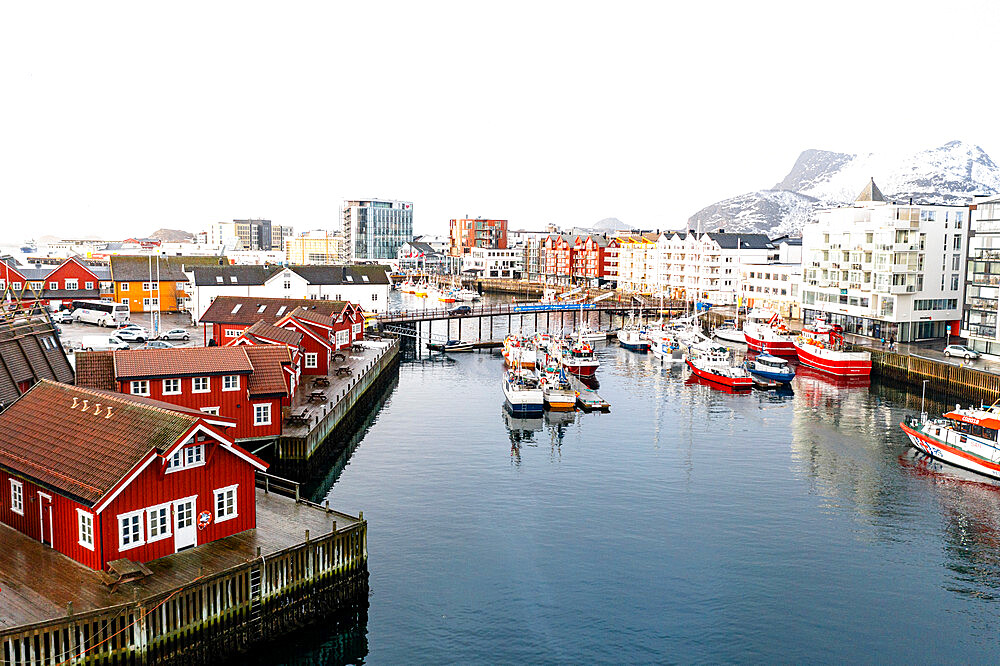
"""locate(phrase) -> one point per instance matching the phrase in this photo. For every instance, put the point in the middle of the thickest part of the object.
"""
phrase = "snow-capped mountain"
(951, 173)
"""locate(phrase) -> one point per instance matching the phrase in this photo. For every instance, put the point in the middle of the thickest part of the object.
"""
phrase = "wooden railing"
(523, 309)
(211, 617)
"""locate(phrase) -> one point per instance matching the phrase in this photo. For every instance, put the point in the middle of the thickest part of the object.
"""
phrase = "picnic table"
(318, 396)
(357, 348)
(321, 381)
(339, 356)
(298, 418)
(123, 571)
(344, 370)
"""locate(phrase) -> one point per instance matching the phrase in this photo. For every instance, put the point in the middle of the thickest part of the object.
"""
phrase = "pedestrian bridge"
(435, 314)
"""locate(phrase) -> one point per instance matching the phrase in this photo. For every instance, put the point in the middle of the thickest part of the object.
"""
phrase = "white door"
(185, 528)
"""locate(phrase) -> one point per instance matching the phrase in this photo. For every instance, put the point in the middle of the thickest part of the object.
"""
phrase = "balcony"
(902, 289)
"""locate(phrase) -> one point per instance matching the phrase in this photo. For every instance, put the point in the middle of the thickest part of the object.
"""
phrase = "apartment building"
(313, 247)
(467, 233)
(248, 235)
(884, 269)
(373, 229)
(490, 263)
(982, 281)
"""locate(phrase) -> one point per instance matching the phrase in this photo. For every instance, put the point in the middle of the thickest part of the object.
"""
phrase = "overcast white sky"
(121, 118)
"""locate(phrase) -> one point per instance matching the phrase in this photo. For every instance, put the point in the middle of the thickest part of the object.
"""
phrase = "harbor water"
(688, 524)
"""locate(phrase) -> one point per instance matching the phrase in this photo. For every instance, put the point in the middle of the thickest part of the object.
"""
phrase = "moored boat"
(822, 348)
(468, 295)
(765, 332)
(458, 346)
(714, 365)
(523, 393)
(578, 358)
(519, 352)
(587, 334)
(557, 393)
(728, 332)
(771, 368)
(963, 437)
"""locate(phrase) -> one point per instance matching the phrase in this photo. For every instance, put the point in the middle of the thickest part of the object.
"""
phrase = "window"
(261, 309)
(218, 278)
(53, 284)
(958, 242)
(73, 284)
(124, 301)
(236, 308)
(232, 332)
(213, 411)
(85, 529)
(356, 329)
(130, 532)
(17, 497)
(37, 286)
(16, 286)
(343, 337)
(312, 360)
(225, 504)
(374, 297)
(194, 455)
(288, 284)
(158, 522)
(954, 282)
(86, 285)
(140, 387)
(175, 461)
(262, 414)
(171, 386)
(230, 382)
(147, 286)
(123, 286)
(200, 385)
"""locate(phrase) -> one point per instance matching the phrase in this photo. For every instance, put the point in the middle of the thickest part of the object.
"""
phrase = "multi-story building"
(373, 229)
(280, 234)
(704, 267)
(467, 233)
(489, 263)
(982, 280)
(314, 247)
(248, 235)
(774, 287)
(886, 270)
(418, 255)
(572, 259)
(637, 261)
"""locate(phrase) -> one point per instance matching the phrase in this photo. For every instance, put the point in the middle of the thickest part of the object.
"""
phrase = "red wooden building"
(246, 384)
(339, 322)
(100, 475)
(57, 286)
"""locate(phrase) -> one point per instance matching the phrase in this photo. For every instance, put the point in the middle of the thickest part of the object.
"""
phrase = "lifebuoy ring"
(204, 518)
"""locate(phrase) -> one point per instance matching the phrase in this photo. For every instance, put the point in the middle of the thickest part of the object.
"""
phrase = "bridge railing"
(522, 308)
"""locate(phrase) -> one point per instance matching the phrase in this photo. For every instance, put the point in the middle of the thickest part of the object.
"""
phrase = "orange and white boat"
(963, 437)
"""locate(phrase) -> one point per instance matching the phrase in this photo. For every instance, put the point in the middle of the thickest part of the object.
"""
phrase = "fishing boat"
(578, 358)
(766, 333)
(665, 346)
(821, 347)
(421, 289)
(727, 331)
(407, 287)
(714, 365)
(447, 294)
(518, 351)
(631, 336)
(523, 393)
(771, 368)
(468, 295)
(962, 437)
(556, 391)
(587, 334)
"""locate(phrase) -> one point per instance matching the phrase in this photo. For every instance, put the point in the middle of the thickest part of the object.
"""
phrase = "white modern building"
(491, 263)
(982, 281)
(373, 229)
(772, 286)
(885, 269)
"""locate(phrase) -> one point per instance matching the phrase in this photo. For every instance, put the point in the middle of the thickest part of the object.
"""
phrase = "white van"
(102, 343)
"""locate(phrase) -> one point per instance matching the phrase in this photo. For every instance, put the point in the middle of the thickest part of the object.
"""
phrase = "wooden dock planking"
(37, 583)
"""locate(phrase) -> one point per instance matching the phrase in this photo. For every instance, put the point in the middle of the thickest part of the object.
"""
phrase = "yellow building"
(313, 247)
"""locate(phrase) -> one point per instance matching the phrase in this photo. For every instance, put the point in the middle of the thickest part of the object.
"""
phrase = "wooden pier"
(302, 563)
(944, 378)
(301, 439)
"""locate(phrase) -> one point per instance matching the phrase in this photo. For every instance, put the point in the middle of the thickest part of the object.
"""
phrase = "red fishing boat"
(578, 358)
(714, 365)
(821, 347)
(766, 333)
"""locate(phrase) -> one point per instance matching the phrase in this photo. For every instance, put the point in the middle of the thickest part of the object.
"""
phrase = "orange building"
(469, 233)
(148, 284)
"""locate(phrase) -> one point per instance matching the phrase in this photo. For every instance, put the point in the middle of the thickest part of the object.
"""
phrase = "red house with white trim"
(246, 384)
(101, 476)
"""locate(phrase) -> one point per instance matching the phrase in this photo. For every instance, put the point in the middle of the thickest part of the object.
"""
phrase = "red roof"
(249, 309)
(81, 442)
(268, 378)
(272, 333)
(181, 362)
(314, 317)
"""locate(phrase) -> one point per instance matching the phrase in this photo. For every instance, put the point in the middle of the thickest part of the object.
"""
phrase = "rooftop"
(251, 309)
(180, 362)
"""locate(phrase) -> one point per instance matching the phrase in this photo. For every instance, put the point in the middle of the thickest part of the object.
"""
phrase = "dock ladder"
(255, 593)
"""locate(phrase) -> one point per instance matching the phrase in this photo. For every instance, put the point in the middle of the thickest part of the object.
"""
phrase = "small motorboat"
(458, 346)
(770, 368)
(558, 394)
(728, 332)
(523, 393)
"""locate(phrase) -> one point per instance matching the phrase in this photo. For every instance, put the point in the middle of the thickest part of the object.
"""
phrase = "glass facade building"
(375, 229)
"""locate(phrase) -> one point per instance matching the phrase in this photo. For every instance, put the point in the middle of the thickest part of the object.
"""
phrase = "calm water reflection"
(688, 524)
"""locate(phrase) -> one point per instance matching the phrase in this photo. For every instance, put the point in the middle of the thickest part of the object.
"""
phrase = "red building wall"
(153, 487)
(234, 404)
(65, 529)
(72, 270)
(219, 332)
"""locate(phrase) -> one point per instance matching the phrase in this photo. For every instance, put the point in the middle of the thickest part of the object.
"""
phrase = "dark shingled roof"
(95, 369)
(253, 309)
(29, 350)
(376, 274)
(233, 276)
(743, 241)
(137, 269)
(84, 454)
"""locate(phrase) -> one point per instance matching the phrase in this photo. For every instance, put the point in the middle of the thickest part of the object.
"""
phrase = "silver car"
(962, 351)
(176, 334)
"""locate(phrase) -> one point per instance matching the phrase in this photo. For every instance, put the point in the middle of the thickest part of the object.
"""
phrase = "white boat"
(578, 358)
(666, 347)
(632, 337)
(523, 393)
(728, 332)
(468, 295)
(587, 334)
(558, 394)
(519, 352)
(716, 366)
(766, 333)
(963, 437)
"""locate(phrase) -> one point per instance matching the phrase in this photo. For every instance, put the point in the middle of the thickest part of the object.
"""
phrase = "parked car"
(156, 344)
(62, 317)
(176, 334)
(961, 350)
(460, 310)
(102, 342)
(137, 334)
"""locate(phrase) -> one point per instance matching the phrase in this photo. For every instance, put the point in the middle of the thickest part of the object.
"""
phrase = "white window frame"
(232, 332)
(266, 407)
(343, 337)
(85, 519)
(125, 301)
(312, 360)
(16, 286)
(189, 450)
(226, 379)
(142, 384)
(123, 286)
(141, 539)
(173, 382)
(175, 462)
(72, 283)
(53, 284)
(18, 506)
(215, 503)
(194, 385)
(213, 411)
(89, 285)
(151, 515)
(178, 460)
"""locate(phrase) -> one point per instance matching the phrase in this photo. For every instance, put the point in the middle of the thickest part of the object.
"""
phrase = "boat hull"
(772, 347)
(560, 401)
(526, 409)
(583, 370)
(840, 365)
(936, 448)
(729, 382)
(642, 346)
(730, 335)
